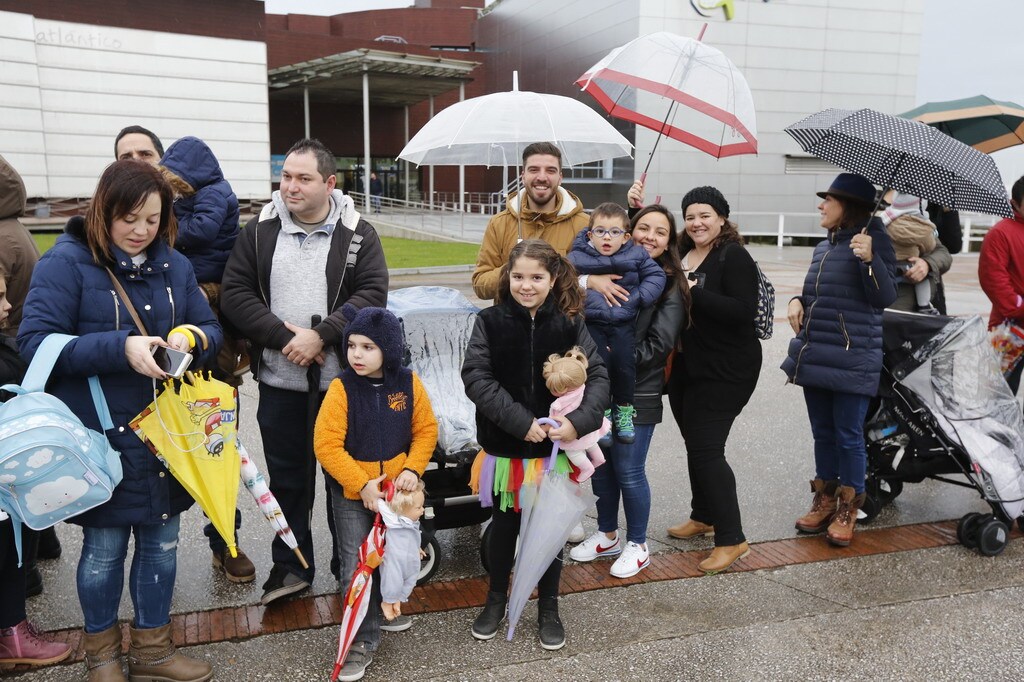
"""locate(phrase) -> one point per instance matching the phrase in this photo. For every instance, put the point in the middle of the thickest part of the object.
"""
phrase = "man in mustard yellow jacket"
(548, 212)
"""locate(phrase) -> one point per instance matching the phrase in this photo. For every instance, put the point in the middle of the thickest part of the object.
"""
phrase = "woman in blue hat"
(836, 355)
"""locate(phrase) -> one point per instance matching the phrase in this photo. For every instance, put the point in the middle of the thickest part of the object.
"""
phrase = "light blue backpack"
(51, 466)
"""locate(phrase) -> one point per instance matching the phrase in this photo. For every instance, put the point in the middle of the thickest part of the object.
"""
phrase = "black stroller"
(945, 410)
(437, 322)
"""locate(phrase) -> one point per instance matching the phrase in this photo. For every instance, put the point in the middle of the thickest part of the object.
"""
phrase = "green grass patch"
(400, 253)
(44, 240)
(412, 253)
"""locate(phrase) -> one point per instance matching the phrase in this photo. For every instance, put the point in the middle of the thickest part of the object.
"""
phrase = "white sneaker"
(597, 545)
(633, 560)
(577, 533)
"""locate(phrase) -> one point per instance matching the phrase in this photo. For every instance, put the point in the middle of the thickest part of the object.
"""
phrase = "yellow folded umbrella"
(190, 426)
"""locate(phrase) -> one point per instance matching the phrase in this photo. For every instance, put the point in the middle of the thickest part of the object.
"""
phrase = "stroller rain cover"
(438, 322)
(951, 367)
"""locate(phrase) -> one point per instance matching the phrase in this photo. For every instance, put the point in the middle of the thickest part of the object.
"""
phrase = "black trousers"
(12, 578)
(705, 419)
(502, 551)
(287, 447)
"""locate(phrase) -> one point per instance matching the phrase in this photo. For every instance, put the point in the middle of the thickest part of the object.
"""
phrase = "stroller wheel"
(430, 564)
(967, 529)
(895, 487)
(992, 537)
(874, 499)
(485, 548)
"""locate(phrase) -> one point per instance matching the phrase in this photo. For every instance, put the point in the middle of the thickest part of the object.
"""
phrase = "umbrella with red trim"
(680, 88)
(357, 600)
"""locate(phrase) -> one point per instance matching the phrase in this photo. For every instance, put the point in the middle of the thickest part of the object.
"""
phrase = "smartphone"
(697, 278)
(172, 361)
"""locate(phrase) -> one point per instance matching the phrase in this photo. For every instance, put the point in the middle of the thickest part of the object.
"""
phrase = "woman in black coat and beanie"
(717, 371)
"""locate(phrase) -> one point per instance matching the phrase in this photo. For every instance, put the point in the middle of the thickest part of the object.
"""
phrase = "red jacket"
(1001, 269)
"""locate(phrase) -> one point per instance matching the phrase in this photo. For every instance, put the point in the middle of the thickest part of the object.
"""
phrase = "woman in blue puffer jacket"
(837, 353)
(129, 234)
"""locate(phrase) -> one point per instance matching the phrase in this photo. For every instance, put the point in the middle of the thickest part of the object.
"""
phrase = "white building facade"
(66, 89)
(798, 56)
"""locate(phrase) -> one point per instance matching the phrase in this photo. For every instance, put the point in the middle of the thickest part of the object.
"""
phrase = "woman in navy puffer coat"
(837, 353)
(130, 230)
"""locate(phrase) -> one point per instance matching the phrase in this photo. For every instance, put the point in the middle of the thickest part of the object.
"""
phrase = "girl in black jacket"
(538, 312)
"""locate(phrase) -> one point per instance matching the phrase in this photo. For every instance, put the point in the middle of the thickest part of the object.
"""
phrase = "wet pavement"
(941, 613)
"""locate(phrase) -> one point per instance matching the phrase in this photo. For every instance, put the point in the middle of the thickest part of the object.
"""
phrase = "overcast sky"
(968, 47)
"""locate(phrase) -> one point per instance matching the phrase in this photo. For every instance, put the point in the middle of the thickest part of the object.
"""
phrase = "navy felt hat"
(852, 187)
(380, 326)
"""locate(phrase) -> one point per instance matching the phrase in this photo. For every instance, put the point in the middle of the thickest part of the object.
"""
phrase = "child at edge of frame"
(376, 424)
(538, 312)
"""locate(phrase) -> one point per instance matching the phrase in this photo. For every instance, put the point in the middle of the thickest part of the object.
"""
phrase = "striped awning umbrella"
(986, 124)
(907, 156)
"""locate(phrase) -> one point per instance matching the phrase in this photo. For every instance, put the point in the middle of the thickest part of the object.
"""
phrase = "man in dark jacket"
(290, 272)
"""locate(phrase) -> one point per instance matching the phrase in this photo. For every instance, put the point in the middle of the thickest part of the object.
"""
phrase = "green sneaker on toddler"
(624, 431)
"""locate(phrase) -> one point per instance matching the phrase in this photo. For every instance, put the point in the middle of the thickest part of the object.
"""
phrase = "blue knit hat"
(380, 326)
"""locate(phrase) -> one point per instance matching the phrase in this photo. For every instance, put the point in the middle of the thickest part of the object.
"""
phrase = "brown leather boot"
(691, 529)
(103, 655)
(822, 508)
(154, 658)
(840, 531)
(239, 569)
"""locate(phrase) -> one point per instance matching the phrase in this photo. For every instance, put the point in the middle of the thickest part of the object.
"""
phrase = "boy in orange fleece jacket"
(376, 423)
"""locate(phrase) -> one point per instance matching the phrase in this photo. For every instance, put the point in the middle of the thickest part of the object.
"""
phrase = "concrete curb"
(431, 270)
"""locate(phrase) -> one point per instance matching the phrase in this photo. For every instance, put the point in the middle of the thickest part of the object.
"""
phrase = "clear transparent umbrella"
(493, 130)
(550, 510)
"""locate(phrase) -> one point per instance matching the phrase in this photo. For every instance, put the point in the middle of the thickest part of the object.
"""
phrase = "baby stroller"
(437, 323)
(945, 410)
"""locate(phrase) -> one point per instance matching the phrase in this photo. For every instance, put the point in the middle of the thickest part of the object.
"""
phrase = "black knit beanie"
(380, 326)
(707, 195)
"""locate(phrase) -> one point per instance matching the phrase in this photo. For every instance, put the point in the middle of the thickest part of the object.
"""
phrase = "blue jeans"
(623, 475)
(150, 581)
(837, 424)
(352, 522)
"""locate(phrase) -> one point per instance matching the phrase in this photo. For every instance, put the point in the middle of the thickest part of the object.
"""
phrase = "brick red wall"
(241, 19)
(295, 38)
(447, 27)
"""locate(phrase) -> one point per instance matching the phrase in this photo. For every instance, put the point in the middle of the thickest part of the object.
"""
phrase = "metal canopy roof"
(396, 78)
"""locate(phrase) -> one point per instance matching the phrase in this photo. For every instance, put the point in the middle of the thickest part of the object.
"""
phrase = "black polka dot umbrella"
(907, 156)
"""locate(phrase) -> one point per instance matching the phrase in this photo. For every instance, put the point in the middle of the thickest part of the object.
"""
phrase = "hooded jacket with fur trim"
(558, 228)
(207, 217)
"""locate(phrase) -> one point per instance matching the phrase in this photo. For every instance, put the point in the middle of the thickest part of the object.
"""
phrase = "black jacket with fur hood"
(503, 375)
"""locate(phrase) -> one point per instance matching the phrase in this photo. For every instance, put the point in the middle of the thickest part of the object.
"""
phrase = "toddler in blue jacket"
(606, 248)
